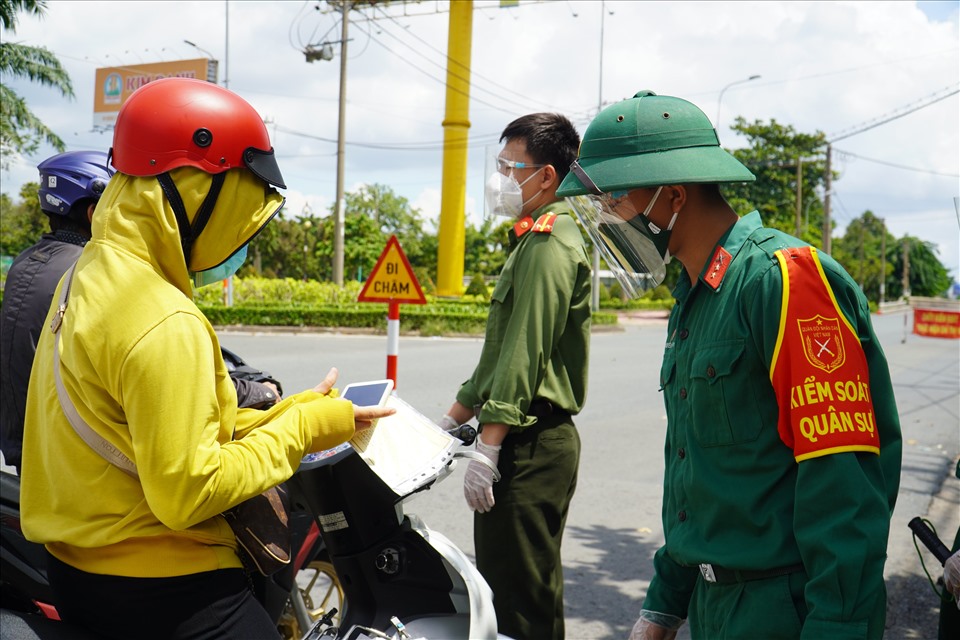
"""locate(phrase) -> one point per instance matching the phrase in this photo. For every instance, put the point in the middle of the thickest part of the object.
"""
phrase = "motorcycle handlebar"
(929, 539)
(466, 433)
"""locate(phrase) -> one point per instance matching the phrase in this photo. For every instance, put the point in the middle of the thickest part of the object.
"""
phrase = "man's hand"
(273, 388)
(366, 417)
(951, 576)
(327, 383)
(447, 423)
(363, 417)
(647, 627)
(478, 481)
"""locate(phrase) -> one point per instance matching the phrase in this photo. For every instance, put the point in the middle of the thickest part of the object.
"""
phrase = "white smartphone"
(368, 394)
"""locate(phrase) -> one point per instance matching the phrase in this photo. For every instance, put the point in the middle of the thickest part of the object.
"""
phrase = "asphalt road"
(614, 524)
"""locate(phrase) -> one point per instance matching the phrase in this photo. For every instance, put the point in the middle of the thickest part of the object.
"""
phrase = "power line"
(434, 78)
(469, 70)
(898, 166)
(813, 76)
(478, 140)
(917, 105)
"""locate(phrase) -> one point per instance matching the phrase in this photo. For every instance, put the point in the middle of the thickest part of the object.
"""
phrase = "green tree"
(485, 248)
(390, 215)
(859, 251)
(21, 131)
(21, 223)
(288, 248)
(773, 154)
(927, 275)
(302, 246)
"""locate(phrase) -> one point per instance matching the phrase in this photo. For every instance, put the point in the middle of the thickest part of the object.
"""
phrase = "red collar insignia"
(544, 223)
(523, 226)
(717, 268)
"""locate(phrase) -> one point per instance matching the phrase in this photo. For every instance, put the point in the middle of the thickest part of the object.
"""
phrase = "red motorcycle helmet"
(185, 122)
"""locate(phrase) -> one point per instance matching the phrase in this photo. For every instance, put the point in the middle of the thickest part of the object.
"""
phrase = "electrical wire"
(897, 166)
(480, 140)
(452, 72)
(438, 80)
(917, 105)
(471, 73)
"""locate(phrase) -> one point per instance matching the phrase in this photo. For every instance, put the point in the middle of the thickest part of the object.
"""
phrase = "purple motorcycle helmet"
(72, 178)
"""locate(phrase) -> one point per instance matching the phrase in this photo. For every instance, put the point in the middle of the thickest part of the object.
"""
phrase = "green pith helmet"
(649, 141)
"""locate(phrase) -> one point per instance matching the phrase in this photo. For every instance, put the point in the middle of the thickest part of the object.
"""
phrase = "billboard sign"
(115, 84)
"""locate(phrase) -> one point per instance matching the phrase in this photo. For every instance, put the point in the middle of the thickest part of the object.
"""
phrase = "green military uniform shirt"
(733, 494)
(538, 330)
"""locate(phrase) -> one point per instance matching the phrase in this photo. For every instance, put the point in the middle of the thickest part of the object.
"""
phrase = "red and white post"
(393, 340)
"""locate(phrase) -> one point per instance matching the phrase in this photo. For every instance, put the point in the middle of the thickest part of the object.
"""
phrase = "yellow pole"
(456, 125)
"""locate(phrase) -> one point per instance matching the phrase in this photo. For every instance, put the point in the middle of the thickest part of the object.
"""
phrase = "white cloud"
(824, 66)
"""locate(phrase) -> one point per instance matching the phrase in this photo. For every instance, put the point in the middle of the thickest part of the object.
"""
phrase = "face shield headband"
(503, 192)
(633, 247)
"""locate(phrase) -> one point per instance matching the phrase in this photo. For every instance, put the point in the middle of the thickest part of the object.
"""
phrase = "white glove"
(478, 481)
(951, 576)
(652, 625)
(447, 423)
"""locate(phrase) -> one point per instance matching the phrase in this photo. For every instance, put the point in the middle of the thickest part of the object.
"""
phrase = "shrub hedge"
(435, 319)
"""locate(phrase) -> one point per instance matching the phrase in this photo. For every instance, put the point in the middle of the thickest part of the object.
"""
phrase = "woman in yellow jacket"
(149, 555)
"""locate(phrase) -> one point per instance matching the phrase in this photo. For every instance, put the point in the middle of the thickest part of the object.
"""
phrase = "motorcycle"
(401, 579)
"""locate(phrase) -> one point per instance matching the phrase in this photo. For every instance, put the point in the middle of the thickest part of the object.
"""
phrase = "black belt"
(545, 409)
(537, 409)
(720, 575)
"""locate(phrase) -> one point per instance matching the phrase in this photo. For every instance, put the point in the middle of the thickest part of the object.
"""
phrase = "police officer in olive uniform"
(783, 445)
(530, 381)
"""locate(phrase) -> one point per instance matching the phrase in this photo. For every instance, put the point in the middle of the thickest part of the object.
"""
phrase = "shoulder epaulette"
(544, 223)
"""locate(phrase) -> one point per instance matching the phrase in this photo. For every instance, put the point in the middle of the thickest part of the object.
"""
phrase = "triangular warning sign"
(392, 278)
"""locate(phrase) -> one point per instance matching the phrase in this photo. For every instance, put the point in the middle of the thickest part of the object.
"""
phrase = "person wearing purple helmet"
(70, 186)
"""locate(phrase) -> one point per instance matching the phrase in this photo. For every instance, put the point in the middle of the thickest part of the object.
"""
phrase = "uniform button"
(711, 372)
(683, 393)
(682, 516)
(682, 453)
(683, 334)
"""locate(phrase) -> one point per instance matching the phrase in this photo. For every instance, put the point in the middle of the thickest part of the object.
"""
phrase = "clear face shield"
(503, 194)
(633, 247)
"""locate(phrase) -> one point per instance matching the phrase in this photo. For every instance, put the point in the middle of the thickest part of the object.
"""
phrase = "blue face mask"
(221, 272)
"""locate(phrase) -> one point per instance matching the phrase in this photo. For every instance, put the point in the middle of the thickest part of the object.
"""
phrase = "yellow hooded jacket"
(143, 367)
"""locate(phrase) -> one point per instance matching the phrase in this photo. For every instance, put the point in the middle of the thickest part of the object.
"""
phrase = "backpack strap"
(93, 439)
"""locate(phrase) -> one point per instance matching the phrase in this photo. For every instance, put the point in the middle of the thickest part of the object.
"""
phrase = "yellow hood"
(134, 215)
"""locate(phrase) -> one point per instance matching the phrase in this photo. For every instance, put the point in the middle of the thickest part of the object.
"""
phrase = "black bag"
(262, 527)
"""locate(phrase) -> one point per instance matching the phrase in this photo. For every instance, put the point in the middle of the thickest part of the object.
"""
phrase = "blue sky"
(824, 66)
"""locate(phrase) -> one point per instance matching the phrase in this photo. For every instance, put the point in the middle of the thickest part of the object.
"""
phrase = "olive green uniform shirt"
(733, 494)
(538, 330)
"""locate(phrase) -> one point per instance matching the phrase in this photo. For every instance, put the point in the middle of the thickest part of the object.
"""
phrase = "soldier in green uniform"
(783, 445)
(530, 381)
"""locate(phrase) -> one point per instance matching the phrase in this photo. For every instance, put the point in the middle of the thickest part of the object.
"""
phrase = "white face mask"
(503, 195)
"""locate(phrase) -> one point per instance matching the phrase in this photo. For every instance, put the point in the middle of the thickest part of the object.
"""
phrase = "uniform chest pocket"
(723, 396)
(668, 367)
(503, 287)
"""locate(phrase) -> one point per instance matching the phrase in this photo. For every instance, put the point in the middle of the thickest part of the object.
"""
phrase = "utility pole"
(828, 189)
(341, 135)
(862, 225)
(456, 126)
(883, 259)
(226, 48)
(906, 268)
(799, 195)
(595, 289)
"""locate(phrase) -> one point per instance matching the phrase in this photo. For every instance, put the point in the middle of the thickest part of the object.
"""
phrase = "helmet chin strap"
(189, 233)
